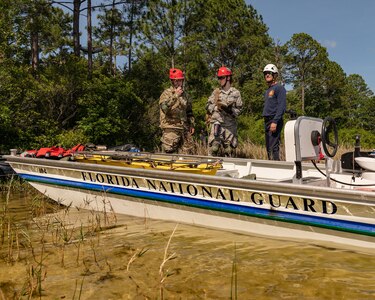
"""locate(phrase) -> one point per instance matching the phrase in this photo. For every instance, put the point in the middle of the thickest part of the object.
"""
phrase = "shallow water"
(86, 255)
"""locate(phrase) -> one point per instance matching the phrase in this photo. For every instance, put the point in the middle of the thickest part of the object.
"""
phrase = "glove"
(227, 109)
(220, 105)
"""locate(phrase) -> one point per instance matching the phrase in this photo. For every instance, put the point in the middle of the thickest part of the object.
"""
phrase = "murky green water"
(72, 254)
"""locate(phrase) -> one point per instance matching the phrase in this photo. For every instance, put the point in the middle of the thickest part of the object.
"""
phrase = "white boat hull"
(152, 209)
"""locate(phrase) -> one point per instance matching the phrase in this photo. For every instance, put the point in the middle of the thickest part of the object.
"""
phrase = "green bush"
(347, 137)
(70, 138)
(251, 129)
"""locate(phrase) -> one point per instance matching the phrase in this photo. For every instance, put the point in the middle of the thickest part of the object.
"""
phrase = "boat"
(309, 197)
(6, 170)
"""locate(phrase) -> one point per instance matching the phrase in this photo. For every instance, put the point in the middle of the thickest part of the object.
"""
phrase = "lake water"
(57, 253)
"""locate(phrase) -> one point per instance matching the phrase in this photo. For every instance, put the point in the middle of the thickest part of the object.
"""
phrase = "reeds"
(167, 257)
(247, 149)
(51, 228)
(9, 235)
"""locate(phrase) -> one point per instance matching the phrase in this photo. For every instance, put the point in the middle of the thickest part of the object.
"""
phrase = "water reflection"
(80, 254)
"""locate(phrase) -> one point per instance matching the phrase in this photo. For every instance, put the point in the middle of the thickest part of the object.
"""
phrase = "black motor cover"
(347, 160)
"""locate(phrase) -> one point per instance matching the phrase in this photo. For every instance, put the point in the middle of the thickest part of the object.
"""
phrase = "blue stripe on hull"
(341, 225)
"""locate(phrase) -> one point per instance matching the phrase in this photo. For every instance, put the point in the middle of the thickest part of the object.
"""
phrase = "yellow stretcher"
(145, 162)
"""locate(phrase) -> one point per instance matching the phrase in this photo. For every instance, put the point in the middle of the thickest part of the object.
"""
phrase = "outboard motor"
(348, 162)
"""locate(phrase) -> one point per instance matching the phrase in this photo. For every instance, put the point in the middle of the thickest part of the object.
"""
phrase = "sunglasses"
(221, 77)
(267, 73)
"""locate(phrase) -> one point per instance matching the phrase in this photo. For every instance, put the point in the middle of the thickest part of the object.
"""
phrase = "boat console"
(310, 139)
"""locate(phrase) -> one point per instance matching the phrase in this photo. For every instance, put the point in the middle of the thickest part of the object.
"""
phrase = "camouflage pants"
(222, 139)
(177, 141)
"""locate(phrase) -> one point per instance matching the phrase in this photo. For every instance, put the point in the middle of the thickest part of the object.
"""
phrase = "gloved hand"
(226, 108)
(221, 106)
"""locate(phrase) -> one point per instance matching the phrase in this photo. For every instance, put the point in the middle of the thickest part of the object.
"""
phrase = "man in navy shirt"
(273, 111)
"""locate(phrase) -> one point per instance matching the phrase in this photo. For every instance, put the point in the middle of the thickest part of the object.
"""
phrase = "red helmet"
(224, 71)
(176, 74)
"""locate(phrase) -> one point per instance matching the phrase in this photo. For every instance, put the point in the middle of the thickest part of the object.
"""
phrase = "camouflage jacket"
(175, 111)
(224, 106)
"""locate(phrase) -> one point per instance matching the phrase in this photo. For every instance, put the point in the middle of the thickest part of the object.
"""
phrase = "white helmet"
(270, 68)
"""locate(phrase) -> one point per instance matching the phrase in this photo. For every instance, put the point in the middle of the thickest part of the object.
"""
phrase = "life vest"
(53, 152)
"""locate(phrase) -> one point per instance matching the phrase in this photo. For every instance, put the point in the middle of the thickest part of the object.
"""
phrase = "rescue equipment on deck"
(146, 161)
(127, 156)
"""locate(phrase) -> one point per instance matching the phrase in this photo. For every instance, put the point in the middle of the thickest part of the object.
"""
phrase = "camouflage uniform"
(176, 119)
(223, 108)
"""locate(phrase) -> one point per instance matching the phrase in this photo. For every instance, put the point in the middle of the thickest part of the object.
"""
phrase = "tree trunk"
(172, 37)
(89, 39)
(131, 28)
(76, 36)
(111, 67)
(303, 97)
(34, 51)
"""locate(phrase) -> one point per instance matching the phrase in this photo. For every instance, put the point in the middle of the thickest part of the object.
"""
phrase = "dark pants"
(273, 138)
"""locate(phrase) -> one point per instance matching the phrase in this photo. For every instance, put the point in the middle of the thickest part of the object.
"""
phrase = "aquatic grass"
(81, 239)
(233, 285)
(80, 289)
(51, 228)
(2, 296)
(93, 247)
(13, 245)
(41, 205)
(18, 185)
(103, 216)
(136, 255)
(37, 273)
(9, 229)
(164, 274)
(110, 215)
(33, 285)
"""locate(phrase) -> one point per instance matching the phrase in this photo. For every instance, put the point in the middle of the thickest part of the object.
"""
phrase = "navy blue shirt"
(275, 102)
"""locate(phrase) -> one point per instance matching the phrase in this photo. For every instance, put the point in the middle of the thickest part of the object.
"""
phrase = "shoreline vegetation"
(253, 151)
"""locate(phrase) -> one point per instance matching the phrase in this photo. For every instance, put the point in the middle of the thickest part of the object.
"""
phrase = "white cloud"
(329, 44)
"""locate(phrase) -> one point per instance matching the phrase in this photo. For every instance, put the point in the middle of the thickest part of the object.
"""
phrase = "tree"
(76, 32)
(9, 40)
(325, 94)
(113, 113)
(163, 26)
(360, 101)
(37, 28)
(304, 61)
(133, 13)
(227, 33)
(109, 31)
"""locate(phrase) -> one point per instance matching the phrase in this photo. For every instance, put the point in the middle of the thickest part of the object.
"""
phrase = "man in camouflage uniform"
(223, 107)
(176, 116)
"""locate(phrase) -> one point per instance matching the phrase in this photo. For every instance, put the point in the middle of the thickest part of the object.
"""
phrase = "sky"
(345, 27)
